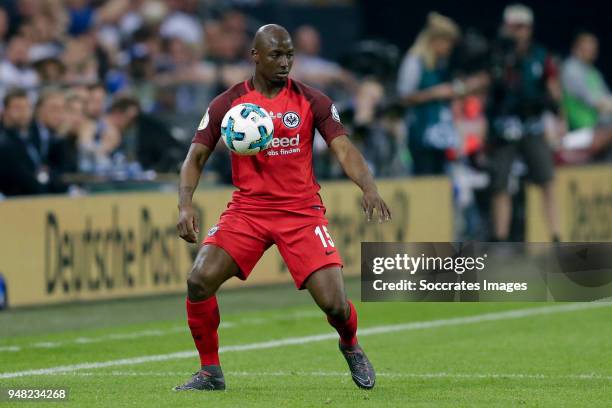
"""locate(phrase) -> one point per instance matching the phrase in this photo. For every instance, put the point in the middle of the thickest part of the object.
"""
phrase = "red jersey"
(281, 175)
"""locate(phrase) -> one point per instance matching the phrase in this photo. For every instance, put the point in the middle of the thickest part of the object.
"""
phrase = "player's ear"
(254, 55)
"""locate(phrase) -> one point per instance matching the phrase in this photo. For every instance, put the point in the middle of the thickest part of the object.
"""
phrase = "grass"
(540, 360)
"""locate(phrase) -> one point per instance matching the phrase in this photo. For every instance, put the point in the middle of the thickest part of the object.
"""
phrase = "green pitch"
(278, 351)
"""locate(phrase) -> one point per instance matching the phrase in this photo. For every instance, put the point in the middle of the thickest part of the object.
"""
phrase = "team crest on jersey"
(334, 113)
(213, 230)
(204, 121)
(291, 120)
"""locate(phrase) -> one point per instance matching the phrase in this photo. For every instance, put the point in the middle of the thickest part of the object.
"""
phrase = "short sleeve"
(574, 82)
(326, 118)
(209, 129)
(409, 75)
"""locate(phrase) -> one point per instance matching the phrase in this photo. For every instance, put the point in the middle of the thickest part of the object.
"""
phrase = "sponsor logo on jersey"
(334, 113)
(284, 146)
(286, 141)
(204, 121)
(291, 120)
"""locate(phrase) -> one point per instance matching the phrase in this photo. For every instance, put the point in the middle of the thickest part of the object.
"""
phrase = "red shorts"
(301, 236)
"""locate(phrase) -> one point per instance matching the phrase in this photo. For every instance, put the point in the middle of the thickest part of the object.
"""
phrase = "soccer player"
(277, 202)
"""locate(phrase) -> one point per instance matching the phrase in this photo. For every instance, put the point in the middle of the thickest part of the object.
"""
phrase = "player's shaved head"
(270, 35)
(272, 53)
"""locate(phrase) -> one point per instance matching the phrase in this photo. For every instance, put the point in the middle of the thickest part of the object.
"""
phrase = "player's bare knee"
(336, 308)
(198, 288)
(200, 283)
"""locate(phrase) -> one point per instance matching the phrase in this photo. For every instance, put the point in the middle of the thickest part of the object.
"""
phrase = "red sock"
(346, 329)
(203, 319)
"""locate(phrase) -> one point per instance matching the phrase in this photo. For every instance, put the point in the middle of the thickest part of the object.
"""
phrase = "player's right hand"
(372, 201)
(188, 224)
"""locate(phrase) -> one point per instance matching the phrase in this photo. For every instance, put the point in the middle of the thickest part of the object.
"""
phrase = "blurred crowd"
(112, 90)
(495, 113)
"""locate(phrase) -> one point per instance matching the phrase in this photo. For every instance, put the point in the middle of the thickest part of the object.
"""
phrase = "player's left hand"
(373, 201)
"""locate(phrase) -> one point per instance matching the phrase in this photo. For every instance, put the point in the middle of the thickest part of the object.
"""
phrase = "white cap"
(518, 14)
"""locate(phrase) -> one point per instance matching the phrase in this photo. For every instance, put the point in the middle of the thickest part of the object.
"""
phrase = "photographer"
(524, 86)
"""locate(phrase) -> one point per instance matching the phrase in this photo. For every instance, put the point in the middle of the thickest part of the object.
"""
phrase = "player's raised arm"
(355, 167)
(191, 170)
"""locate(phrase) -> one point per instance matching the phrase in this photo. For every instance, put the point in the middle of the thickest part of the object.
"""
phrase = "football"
(247, 129)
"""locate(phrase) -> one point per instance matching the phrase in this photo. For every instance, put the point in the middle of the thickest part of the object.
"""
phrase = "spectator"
(50, 71)
(146, 54)
(45, 32)
(424, 86)
(142, 14)
(156, 148)
(180, 24)
(82, 16)
(185, 72)
(587, 104)
(80, 90)
(122, 114)
(49, 115)
(311, 68)
(99, 150)
(524, 85)
(44, 133)
(76, 123)
(146, 60)
(145, 141)
(185, 65)
(78, 132)
(95, 104)
(21, 168)
(587, 99)
(227, 39)
(227, 47)
(14, 68)
(21, 11)
(80, 61)
(96, 148)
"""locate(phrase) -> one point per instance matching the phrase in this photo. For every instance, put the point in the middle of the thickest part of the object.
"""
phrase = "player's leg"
(309, 251)
(212, 267)
(231, 248)
(326, 287)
